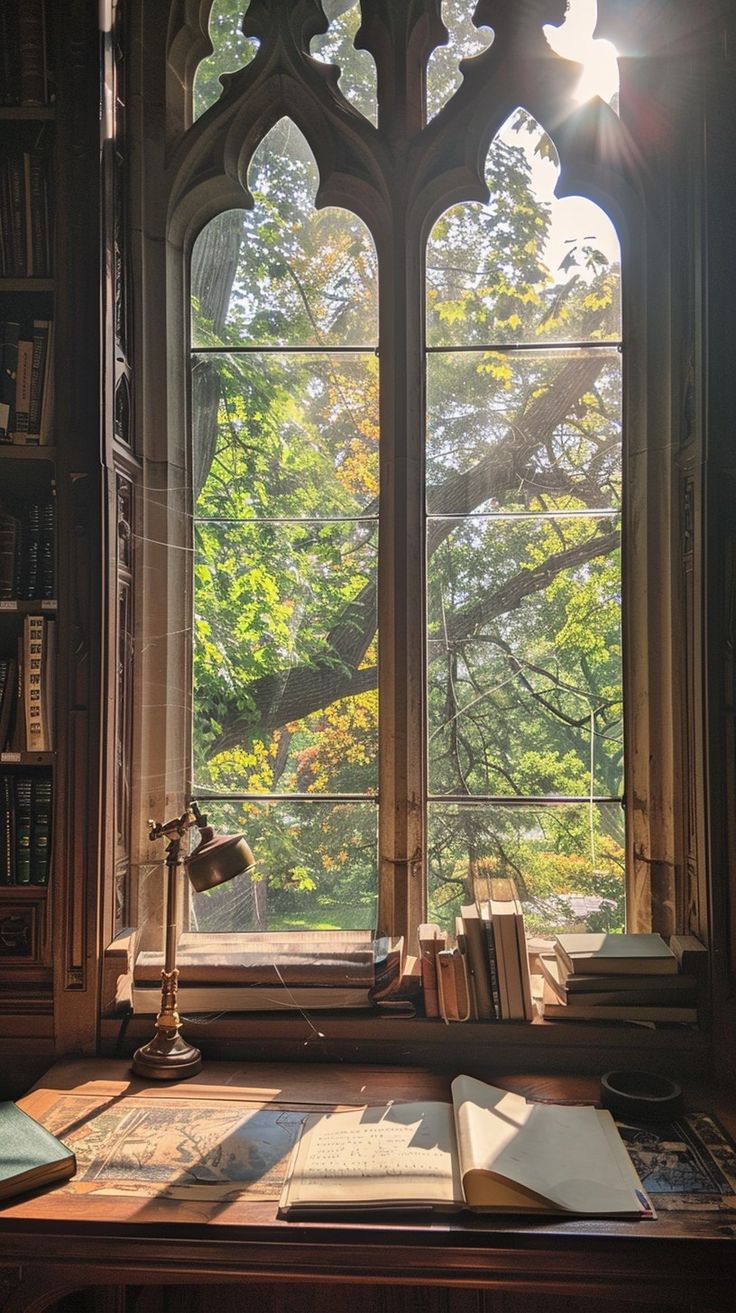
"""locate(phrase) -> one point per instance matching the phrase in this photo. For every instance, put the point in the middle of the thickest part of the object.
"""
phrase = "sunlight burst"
(574, 40)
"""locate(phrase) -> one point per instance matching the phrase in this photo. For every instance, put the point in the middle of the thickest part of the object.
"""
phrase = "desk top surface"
(204, 1159)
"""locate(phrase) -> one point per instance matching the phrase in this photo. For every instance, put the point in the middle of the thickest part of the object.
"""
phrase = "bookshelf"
(28, 486)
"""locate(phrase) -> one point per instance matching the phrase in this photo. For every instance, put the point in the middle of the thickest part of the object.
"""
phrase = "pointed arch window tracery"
(401, 177)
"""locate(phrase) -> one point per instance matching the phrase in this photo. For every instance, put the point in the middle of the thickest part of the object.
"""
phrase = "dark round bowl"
(640, 1094)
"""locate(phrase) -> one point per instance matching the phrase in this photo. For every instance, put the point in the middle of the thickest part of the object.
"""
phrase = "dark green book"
(23, 788)
(40, 829)
(30, 1156)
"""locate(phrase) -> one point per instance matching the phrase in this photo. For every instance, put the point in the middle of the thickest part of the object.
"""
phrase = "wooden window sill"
(476, 1047)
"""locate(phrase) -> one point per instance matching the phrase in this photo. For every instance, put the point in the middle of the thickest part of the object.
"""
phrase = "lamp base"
(167, 1057)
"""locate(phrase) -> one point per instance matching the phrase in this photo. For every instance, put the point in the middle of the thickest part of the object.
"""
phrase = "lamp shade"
(218, 859)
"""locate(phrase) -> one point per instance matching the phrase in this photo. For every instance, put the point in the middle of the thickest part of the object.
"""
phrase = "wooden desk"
(112, 1236)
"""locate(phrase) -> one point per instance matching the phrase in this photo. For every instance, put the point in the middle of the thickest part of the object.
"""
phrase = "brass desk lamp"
(217, 859)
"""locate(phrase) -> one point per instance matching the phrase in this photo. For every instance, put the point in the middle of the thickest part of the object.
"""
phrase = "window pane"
(526, 267)
(284, 659)
(464, 41)
(574, 40)
(357, 69)
(567, 861)
(523, 429)
(284, 273)
(230, 51)
(285, 435)
(316, 868)
(524, 657)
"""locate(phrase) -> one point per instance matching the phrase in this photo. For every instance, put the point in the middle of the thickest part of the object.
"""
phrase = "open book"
(489, 1150)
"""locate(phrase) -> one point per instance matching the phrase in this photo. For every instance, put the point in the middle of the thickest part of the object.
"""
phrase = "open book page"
(403, 1155)
(541, 1157)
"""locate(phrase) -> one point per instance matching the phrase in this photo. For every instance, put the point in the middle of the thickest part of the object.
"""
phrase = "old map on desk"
(688, 1163)
(176, 1148)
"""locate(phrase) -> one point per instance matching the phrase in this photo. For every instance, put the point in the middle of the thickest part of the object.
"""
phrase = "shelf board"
(26, 284)
(21, 451)
(23, 891)
(27, 113)
(26, 758)
(12, 606)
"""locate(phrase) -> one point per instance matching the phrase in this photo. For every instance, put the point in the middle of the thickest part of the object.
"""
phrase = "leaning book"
(30, 1156)
(488, 1150)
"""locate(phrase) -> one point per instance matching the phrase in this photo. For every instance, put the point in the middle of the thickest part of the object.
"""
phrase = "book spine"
(462, 944)
(23, 389)
(8, 554)
(5, 260)
(33, 650)
(428, 950)
(38, 375)
(32, 50)
(7, 868)
(47, 576)
(23, 788)
(9, 55)
(462, 986)
(8, 700)
(478, 961)
(18, 739)
(41, 829)
(8, 376)
(524, 971)
(29, 573)
(47, 394)
(505, 926)
(37, 208)
(446, 985)
(16, 217)
(5, 861)
(48, 684)
(492, 966)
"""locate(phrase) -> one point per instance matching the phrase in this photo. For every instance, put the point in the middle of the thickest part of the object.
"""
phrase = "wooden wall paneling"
(80, 832)
(720, 544)
(340, 1297)
(122, 469)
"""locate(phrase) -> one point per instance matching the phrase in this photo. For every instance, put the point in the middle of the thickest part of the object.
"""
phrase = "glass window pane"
(531, 430)
(525, 267)
(230, 51)
(284, 273)
(285, 657)
(357, 69)
(524, 658)
(316, 868)
(285, 435)
(464, 41)
(567, 862)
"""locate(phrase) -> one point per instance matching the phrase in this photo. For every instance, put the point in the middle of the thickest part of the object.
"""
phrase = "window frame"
(666, 870)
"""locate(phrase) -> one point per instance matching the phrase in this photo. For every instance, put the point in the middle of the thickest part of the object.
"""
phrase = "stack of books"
(27, 551)
(26, 236)
(271, 971)
(26, 74)
(27, 689)
(25, 827)
(616, 977)
(26, 382)
(484, 975)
